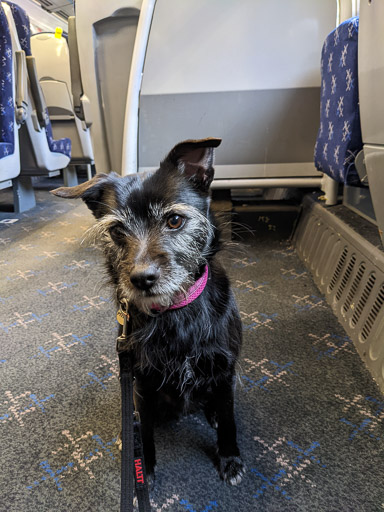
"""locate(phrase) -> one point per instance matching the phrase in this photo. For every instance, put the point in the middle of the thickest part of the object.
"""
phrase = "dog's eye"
(175, 221)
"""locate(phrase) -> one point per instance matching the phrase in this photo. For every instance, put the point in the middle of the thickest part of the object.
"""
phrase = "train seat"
(348, 117)
(9, 140)
(51, 52)
(40, 152)
(339, 138)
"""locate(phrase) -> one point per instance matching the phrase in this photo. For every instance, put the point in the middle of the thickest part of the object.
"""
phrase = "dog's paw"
(231, 470)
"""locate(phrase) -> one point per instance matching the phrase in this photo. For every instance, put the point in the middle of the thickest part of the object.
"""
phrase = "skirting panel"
(349, 271)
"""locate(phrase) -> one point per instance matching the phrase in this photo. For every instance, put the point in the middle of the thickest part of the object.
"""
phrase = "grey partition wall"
(247, 71)
(106, 35)
(371, 86)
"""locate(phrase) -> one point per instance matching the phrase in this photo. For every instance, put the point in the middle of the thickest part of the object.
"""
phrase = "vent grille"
(338, 269)
(354, 287)
(313, 247)
(349, 271)
(306, 239)
(325, 266)
(373, 314)
(323, 251)
(363, 299)
(345, 279)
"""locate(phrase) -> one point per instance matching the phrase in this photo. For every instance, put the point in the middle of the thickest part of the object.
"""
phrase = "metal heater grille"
(350, 273)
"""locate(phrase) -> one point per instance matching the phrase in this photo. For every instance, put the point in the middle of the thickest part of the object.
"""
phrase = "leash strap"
(126, 503)
(132, 457)
(141, 482)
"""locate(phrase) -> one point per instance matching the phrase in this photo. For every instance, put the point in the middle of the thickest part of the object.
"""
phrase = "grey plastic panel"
(371, 86)
(257, 127)
(359, 200)
(371, 70)
(349, 271)
(374, 161)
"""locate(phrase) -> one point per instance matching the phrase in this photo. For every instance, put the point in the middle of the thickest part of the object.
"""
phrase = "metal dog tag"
(121, 315)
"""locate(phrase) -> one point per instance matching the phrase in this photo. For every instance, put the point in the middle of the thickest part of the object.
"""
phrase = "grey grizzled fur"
(158, 235)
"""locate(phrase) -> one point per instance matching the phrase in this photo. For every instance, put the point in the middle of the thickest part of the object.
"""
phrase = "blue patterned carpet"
(310, 418)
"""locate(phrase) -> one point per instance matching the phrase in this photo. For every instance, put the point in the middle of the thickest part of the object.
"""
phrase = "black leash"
(132, 457)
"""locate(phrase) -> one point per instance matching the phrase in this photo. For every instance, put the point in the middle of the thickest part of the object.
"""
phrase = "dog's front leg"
(231, 466)
(145, 402)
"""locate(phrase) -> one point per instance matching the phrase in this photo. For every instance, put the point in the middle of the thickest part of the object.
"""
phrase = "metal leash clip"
(123, 318)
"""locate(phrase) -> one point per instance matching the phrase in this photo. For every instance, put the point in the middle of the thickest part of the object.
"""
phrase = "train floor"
(310, 418)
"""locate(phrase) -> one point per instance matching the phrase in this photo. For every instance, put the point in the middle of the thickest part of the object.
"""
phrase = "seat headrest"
(23, 26)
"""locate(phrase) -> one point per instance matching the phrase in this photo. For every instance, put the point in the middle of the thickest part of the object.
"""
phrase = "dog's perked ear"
(97, 193)
(195, 158)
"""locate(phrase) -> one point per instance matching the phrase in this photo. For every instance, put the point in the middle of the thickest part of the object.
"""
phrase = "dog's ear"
(194, 159)
(97, 193)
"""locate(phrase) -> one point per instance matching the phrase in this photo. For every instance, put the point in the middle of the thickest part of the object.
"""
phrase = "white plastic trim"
(131, 120)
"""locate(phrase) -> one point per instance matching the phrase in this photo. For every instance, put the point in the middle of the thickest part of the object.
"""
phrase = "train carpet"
(310, 418)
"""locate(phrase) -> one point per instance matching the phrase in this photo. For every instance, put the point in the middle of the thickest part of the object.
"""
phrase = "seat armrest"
(21, 87)
(86, 107)
(361, 167)
(37, 93)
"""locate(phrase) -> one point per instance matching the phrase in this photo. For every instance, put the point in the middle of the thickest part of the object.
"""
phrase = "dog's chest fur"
(189, 349)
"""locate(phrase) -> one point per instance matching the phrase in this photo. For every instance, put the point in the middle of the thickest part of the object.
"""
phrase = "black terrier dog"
(160, 241)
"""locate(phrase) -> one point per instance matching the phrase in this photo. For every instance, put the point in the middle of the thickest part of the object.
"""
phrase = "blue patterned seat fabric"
(24, 33)
(23, 27)
(339, 138)
(7, 107)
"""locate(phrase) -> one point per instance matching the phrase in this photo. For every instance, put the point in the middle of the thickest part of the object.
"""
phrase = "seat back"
(23, 27)
(339, 138)
(53, 69)
(244, 71)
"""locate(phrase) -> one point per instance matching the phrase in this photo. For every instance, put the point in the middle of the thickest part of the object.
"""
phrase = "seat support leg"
(89, 171)
(70, 176)
(23, 194)
(330, 187)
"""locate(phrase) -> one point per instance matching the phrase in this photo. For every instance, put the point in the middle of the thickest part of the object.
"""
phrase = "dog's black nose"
(144, 278)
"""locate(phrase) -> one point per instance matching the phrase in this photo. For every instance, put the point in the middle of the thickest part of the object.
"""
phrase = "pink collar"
(183, 300)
